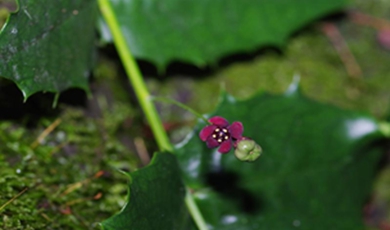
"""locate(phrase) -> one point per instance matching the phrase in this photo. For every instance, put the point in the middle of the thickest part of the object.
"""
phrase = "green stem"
(144, 97)
(181, 105)
(135, 77)
(195, 213)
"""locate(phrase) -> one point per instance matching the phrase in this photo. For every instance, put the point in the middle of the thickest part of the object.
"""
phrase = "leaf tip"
(55, 100)
(161, 67)
(362, 127)
(294, 87)
(25, 94)
(224, 96)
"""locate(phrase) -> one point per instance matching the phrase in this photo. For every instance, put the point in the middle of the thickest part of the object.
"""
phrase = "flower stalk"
(181, 105)
(135, 77)
(144, 98)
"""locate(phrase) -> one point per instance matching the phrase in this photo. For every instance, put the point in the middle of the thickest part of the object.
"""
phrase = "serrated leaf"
(315, 172)
(48, 45)
(156, 199)
(200, 32)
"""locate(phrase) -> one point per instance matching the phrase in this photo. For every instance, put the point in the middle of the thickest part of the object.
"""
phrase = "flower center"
(221, 134)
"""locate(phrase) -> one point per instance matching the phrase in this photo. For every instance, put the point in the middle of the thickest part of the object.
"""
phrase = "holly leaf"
(49, 45)
(156, 198)
(200, 32)
(315, 172)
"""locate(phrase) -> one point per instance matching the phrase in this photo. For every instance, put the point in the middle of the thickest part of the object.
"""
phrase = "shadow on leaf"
(227, 184)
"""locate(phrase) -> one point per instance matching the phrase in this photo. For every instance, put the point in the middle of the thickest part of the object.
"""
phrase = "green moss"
(63, 192)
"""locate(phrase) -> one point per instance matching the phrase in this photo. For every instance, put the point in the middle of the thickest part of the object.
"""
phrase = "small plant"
(315, 158)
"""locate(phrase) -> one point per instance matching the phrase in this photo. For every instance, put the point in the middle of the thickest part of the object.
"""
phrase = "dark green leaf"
(202, 31)
(48, 45)
(316, 170)
(156, 199)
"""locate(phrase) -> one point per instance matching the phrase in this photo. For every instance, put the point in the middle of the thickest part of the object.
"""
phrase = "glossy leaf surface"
(49, 45)
(201, 32)
(315, 172)
(156, 199)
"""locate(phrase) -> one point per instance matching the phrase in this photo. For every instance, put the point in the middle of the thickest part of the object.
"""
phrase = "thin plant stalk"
(144, 97)
(135, 77)
(181, 105)
(195, 213)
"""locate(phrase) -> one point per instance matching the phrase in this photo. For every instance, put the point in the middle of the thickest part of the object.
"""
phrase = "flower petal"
(212, 143)
(219, 121)
(236, 130)
(225, 146)
(206, 132)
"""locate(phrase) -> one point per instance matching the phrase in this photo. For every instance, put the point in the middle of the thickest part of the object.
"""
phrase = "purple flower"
(221, 134)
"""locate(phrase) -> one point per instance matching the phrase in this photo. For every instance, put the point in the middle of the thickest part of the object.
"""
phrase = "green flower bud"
(247, 150)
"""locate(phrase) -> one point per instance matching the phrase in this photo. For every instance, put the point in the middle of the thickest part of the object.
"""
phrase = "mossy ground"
(71, 176)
